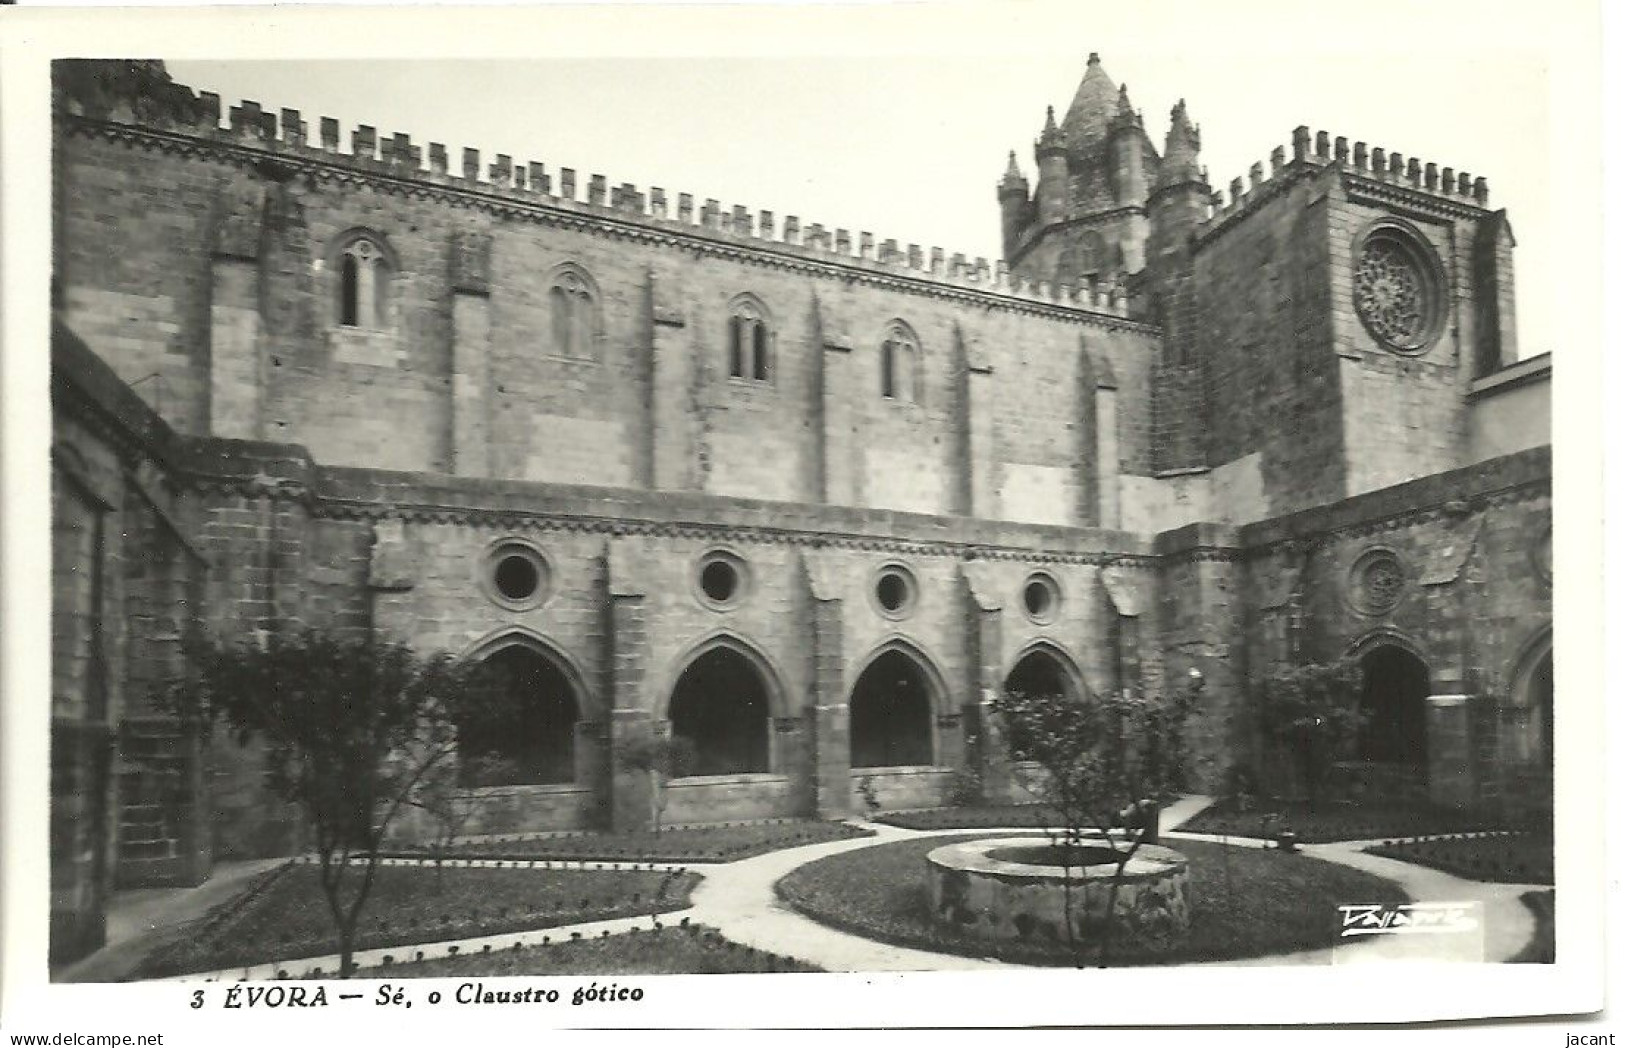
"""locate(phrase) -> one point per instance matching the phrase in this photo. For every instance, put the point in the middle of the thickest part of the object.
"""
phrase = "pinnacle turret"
(1013, 178)
(1125, 117)
(1181, 155)
(1051, 140)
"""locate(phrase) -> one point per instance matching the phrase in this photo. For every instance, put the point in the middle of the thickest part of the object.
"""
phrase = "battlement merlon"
(1317, 150)
(282, 136)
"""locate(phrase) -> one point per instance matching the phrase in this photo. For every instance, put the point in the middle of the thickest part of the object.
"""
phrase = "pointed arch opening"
(534, 741)
(366, 266)
(890, 712)
(1529, 736)
(721, 706)
(1394, 699)
(1043, 671)
(750, 339)
(900, 363)
(573, 305)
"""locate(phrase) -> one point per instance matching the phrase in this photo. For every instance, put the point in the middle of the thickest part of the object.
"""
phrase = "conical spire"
(1013, 178)
(1051, 140)
(1092, 108)
(1125, 116)
(1181, 156)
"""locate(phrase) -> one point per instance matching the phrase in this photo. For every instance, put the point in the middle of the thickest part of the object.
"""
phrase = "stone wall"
(125, 777)
(217, 299)
(1473, 599)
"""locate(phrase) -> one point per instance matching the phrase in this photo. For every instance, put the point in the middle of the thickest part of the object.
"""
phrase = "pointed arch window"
(750, 340)
(899, 364)
(366, 271)
(573, 302)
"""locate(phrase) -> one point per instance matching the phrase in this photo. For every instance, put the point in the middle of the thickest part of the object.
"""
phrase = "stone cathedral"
(802, 496)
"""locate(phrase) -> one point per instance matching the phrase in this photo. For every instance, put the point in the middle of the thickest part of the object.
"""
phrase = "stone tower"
(1085, 222)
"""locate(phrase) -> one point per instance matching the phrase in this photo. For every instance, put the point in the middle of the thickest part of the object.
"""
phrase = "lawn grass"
(1502, 858)
(1270, 901)
(693, 844)
(690, 950)
(285, 916)
(975, 817)
(1542, 947)
(1335, 822)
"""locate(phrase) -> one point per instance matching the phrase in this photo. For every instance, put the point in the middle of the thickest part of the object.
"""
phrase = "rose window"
(1394, 292)
(1377, 582)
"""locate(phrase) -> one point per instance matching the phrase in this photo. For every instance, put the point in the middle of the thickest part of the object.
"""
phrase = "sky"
(905, 135)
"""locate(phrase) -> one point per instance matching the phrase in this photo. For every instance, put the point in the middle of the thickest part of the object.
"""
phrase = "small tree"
(1104, 764)
(353, 728)
(1312, 710)
(443, 796)
(662, 758)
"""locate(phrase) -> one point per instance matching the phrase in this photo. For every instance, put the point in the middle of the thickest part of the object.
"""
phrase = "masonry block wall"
(1403, 415)
(250, 524)
(231, 283)
(1200, 619)
(441, 533)
(126, 779)
(1471, 597)
(339, 381)
(1264, 293)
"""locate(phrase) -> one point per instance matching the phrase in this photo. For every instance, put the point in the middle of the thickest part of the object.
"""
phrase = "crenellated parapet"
(1373, 167)
(273, 139)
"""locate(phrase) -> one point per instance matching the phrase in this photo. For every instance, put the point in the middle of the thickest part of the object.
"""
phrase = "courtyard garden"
(283, 915)
(448, 907)
(1236, 898)
(685, 950)
(723, 843)
(1506, 858)
(972, 817)
(1334, 821)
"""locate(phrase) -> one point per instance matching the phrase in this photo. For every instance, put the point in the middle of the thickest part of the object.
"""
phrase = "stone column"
(236, 365)
(979, 415)
(630, 801)
(671, 421)
(1107, 466)
(830, 764)
(951, 740)
(792, 757)
(470, 355)
(837, 472)
(391, 575)
(591, 759)
(984, 621)
(1450, 750)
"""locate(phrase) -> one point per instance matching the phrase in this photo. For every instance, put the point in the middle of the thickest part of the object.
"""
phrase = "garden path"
(738, 899)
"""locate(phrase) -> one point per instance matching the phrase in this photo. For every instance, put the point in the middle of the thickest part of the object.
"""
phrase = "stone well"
(980, 888)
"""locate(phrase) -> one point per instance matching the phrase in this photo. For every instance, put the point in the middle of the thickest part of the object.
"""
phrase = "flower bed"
(1518, 858)
(687, 950)
(1335, 822)
(977, 817)
(287, 917)
(1243, 902)
(689, 844)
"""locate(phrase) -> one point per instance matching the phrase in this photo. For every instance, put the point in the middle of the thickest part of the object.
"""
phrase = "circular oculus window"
(1396, 289)
(1041, 597)
(516, 574)
(895, 591)
(720, 579)
(1376, 582)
